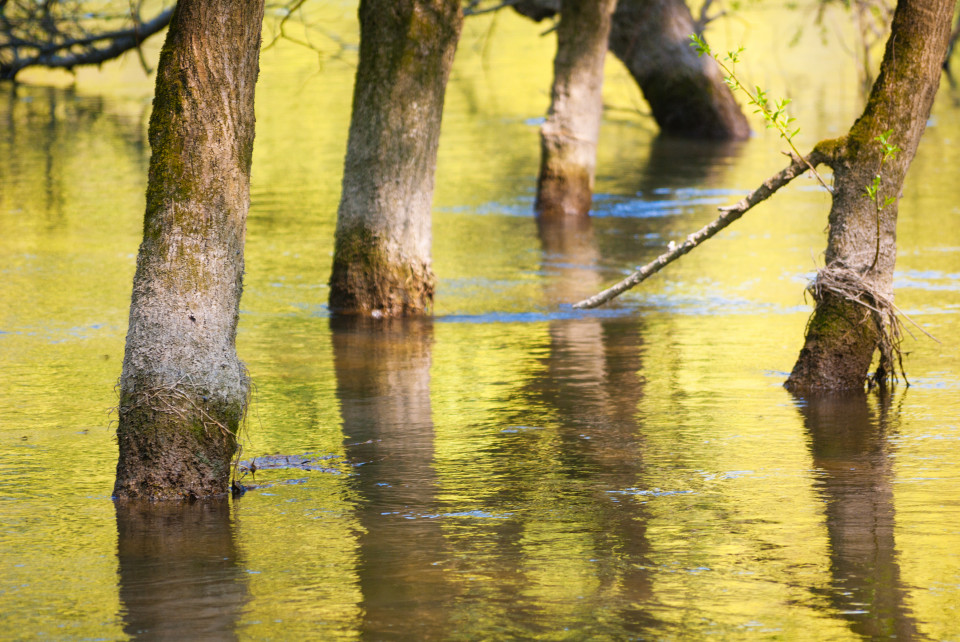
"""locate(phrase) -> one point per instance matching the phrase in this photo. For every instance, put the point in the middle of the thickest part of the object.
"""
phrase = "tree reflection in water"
(850, 448)
(180, 576)
(383, 384)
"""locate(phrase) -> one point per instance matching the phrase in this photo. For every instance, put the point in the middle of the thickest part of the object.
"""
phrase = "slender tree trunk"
(183, 391)
(843, 334)
(568, 139)
(686, 93)
(381, 262)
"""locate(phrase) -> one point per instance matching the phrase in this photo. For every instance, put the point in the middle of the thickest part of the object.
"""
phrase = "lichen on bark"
(382, 256)
(183, 390)
(568, 138)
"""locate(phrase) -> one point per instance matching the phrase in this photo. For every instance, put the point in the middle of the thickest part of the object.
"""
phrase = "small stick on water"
(730, 214)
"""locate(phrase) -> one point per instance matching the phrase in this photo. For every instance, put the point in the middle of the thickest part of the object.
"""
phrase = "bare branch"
(63, 51)
(729, 215)
(473, 7)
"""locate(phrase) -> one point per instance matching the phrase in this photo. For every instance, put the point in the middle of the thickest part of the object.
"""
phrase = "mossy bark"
(686, 94)
(568, 138)
(382, 263)
(843, 335)
(183, 391)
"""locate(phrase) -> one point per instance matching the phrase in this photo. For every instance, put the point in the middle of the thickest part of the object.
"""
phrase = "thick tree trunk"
(686, 93)
(568, 139)
(183, 391)
(381, 263)
(843, 335)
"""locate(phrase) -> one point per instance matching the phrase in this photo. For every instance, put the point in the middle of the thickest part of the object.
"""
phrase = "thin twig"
(729, 215)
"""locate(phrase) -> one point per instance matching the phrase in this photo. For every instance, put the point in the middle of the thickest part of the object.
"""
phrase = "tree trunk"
(183, 391)
(568, 139)
(843, 334)
(381, 262)
(686, 93)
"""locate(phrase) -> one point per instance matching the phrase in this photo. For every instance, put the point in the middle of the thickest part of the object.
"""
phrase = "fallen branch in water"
(730, 214)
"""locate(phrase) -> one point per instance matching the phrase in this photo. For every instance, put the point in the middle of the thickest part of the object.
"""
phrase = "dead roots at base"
(850, 285)
(179, 399)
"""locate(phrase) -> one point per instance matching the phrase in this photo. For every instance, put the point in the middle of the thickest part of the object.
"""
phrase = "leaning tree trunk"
(183, 391)
(844, 333)
(686, 93)
(381, 261)
(568, 139)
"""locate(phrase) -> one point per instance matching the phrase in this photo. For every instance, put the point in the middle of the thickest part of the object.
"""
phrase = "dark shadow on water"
(849, 442)
(180, 578)
(383, 384)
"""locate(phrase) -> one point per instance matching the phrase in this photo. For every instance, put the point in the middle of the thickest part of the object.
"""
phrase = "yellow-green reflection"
(635, 472)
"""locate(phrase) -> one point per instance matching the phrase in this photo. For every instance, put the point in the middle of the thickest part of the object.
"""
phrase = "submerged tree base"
(370, 280)
(176, 443)
(563, 189)
(841, 338)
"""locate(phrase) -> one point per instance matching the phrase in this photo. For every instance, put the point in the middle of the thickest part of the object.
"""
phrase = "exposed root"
(179, 398)
(850, 285)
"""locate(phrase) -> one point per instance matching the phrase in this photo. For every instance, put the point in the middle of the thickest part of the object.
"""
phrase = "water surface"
(509, 468)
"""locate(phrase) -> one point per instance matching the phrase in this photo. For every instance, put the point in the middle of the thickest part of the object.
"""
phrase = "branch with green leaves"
(872, 190)
(775, 113)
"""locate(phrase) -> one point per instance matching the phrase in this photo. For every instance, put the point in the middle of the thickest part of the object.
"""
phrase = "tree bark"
(382, 262)
(183, 391)
(843, 335)
(686, 93)
(568, 139)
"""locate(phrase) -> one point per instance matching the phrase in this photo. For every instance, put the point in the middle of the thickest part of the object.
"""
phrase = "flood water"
(510, 468)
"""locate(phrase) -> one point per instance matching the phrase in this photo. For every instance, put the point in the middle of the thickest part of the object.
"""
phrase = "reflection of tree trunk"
(568, 138)
(593, 385)
(849, 447)
(383, 384)
(179, 574)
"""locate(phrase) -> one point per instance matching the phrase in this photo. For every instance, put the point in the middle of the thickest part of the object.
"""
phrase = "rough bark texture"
(568, 139)
(843, 335)
(381, 263)
(183, 390)
(686, 94)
